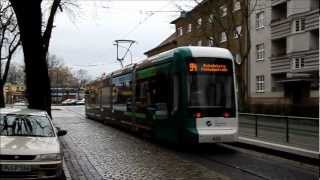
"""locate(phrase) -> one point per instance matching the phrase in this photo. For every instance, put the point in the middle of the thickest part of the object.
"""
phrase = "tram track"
(203, 156)
(226, 158)
(251, 165)
(244, 170)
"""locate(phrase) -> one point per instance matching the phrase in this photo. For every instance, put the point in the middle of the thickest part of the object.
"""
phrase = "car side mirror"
(62, 132)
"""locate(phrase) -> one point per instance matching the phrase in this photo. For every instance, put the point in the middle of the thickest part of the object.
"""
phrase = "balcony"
(277, 2)
(281, 63)
(280, 24)
(312, 20)
(279, 12)
(280, 28)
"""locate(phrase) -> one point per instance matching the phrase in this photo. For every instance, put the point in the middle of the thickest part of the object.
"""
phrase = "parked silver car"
(29, 145)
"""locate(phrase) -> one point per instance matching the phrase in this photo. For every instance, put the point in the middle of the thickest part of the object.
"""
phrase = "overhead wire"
(149, 15)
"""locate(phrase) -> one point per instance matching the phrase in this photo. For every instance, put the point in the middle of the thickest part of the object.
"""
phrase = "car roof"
(23, 111)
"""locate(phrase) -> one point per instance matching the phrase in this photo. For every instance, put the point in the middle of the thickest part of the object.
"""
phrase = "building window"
(299, 25)
(260, 52)
(211, 19)
(237, 58)
(236, 5)
(260, 84)
(237, 32)
(297, 63)
(223, 10)
(260, 20)
(223, 37)
(180, 31)
(210, 42)
(199, 43)
(189, 28)
(199, 23)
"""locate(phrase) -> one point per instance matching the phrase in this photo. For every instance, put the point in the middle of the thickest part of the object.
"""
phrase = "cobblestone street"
(95, 151)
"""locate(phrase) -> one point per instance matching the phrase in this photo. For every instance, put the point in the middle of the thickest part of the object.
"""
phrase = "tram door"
(153, 100)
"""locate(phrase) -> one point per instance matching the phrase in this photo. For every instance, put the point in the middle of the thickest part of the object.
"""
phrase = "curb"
(66, 171)
(280, 147)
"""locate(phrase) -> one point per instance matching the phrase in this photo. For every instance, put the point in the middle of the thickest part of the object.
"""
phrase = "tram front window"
(210, 91)
(210, 86)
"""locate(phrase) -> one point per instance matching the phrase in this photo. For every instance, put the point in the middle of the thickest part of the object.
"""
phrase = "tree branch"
(48, 31)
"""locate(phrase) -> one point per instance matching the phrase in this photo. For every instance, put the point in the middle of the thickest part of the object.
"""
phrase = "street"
(93, 150)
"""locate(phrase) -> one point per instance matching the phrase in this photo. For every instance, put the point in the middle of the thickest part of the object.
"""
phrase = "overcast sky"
(84, 39)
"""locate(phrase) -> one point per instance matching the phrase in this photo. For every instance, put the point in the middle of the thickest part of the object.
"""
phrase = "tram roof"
(192, 51)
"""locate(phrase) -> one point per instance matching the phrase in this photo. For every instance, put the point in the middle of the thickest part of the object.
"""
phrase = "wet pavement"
(96, 151)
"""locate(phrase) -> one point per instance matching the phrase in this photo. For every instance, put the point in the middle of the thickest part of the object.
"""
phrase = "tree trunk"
(29, 19)
(2, 103)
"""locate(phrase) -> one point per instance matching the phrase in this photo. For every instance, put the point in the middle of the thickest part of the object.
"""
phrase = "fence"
(302, 132)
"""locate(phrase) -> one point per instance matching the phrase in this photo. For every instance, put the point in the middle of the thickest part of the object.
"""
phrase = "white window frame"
(189, 27)
(260, 84)
(236, 5)
(299, 25)
(199, 22)
(210, 42)
(237, 32)
(223, 10)
(260, 53)
(211, 19)
(237, 58)
(260, 20)
(180, 31)
(297, 63)
(223, 37)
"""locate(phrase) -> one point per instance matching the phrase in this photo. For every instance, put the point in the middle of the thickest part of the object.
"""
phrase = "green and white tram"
(185, 95)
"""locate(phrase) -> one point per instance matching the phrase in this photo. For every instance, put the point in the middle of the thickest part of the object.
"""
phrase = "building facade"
(284, 56)
(14, 93)
(282, 66)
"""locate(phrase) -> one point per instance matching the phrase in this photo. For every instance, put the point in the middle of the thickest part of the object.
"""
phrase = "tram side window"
(122, 95)
(106, 96)
(92, 97)
(153, 92)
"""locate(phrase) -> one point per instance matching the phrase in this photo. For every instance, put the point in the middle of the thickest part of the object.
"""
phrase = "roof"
(23, 111)
(184, 14)
(170, 39)
(202, 51)
(194, 51)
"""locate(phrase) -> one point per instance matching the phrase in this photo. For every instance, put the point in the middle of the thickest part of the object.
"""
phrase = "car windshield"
(25, 125)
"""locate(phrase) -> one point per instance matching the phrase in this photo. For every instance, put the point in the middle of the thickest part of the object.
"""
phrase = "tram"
(185, 95)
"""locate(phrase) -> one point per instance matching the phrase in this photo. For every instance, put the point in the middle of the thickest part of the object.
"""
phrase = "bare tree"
(230, 17)
(83, 77)
(16, 74)
(9, 43)
(60, 75)
(35, 42)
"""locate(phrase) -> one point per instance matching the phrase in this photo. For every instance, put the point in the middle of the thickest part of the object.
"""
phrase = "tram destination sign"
(208, 67)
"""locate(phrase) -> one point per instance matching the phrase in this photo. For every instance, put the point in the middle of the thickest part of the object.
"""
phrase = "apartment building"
(207, 24)
(282, 68)
(284, 56)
